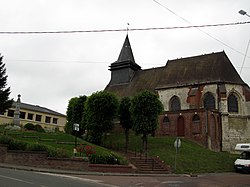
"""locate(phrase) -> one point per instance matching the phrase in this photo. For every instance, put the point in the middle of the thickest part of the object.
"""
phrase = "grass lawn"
(191, 158)
(62, 141)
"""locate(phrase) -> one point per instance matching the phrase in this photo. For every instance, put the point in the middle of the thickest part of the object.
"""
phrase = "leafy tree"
(145, 108)
(75, 114)
(69, 115)
(125, 118)
(78, 113)
(5, 102)
(100, 110)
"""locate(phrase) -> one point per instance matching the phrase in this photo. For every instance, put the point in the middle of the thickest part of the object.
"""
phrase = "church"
(204, 98)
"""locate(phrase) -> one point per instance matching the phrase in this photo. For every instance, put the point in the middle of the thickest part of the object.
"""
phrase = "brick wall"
(206, 132)
(40, 160)
(110, 168)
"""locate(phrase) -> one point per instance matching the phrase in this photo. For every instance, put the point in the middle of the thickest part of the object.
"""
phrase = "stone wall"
(236, 129)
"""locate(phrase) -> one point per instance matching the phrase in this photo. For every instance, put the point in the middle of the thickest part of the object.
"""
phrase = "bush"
(104, 158)
(24, 146)
(17, 145)
(29, 126)
(12, 127)
(5, 139)
(36, 147)
(38, 128)
(12, 143)
(57, 152)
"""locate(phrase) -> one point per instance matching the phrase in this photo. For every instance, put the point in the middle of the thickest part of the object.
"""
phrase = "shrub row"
(107, 158)
(24, 146)
(30, 126)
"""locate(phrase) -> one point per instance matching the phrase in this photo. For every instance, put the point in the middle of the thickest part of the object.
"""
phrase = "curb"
(71, 172)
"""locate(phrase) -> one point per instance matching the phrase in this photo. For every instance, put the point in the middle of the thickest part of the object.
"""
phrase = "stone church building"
(204, 98)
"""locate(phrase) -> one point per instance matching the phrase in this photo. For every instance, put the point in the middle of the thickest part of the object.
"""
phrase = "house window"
(196, 119)
(10, 113)
(166, 121)
(30, 116)
(209, 101)
(175, 104)
(55, 120)
(38, 117)
(22, 115)
(232, 103)
(47, 119)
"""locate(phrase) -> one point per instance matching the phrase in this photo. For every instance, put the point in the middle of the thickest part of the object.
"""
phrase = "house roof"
(202, 69)
(37, 108)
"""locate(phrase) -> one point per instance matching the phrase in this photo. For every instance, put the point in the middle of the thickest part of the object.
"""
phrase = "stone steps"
(149, 165)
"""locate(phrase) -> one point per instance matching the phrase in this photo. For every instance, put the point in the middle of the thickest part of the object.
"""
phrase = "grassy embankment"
(59, 143)
(191, 158)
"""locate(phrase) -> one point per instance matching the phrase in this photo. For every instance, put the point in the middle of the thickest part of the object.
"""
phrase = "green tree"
(75, 114)
(100, 111)
(145, 108)
(125, 118)
(5, 102)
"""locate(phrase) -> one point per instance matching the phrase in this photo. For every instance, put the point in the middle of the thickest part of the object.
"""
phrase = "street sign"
(177, 143)
(76, 127)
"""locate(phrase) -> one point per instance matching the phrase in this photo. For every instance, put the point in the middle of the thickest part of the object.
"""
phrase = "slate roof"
(126, 52)
(203, 69)
(37, 108)
(126, 57)
(142, 80)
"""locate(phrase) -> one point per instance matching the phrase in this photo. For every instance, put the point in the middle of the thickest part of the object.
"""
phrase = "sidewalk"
(71, 172)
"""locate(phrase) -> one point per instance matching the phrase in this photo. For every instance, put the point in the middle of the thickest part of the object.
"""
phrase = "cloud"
(50, 69)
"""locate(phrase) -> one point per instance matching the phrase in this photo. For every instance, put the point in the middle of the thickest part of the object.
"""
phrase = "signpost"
(76, 129)
(177, 145)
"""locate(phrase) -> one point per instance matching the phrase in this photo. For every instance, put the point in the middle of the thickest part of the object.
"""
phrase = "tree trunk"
(127, 140)
(145, 142)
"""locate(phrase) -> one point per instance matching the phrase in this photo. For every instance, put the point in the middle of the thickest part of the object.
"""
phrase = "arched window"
(166, 121)
(209, 101)
(232, 103)
(175, 104)
(196, 119)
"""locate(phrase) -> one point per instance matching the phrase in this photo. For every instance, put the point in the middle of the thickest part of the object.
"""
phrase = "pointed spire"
(124, 69)
(126, 53)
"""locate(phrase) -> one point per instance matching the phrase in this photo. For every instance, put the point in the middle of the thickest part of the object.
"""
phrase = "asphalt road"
(205, 180)
(19, 178)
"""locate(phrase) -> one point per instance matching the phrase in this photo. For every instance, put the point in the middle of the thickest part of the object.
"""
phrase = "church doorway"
(180, 127)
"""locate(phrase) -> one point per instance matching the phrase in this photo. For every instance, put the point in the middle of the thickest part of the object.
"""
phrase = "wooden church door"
(180, 127)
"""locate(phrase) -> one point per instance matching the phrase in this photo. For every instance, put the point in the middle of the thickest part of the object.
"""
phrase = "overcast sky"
(49, 69)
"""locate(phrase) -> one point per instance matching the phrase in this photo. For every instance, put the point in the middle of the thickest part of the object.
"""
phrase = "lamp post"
(244, 13)
(177, 145)
(76, 129)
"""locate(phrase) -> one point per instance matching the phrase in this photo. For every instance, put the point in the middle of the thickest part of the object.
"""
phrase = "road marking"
(172, 182)
(78, 178)
(139, 184)
(15, 179)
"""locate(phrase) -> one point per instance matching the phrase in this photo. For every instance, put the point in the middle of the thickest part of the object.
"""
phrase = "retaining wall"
(40, 160)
